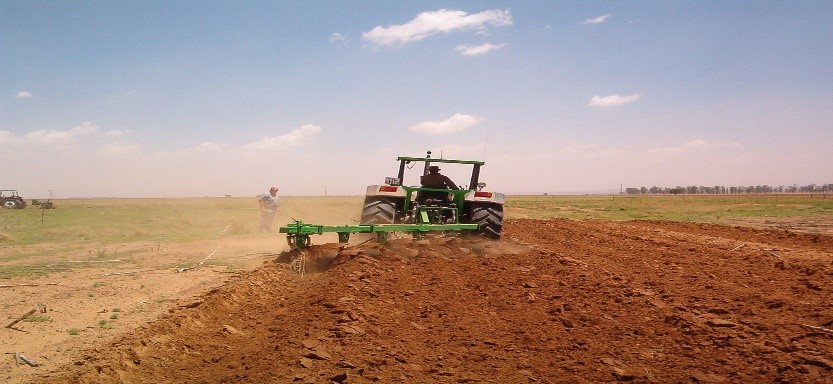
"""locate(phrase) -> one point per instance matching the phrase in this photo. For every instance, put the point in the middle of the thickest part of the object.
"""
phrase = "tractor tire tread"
(378, 210)
(490, 219)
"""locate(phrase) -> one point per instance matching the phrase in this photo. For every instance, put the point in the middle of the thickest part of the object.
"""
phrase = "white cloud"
(91, 162)
(597, 20)
(336, 37)
(209, 147)
(88, 131)
(613, 100)
(23, 94)
(457, 123)
(115, 149)
(285, 141)
(52, 136)
(5, 136)
(468, 50)
(427, 24)
(116, 132)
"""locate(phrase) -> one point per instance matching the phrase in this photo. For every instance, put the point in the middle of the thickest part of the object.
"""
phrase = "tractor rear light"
(483, 194)
(388, 188)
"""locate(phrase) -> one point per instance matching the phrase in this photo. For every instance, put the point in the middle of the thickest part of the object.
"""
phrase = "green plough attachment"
(298, 233)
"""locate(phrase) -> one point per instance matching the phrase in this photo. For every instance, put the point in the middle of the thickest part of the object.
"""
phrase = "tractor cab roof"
(428, 160)
(434, 160)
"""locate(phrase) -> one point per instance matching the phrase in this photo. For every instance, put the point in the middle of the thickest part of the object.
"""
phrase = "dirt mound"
(556, 301)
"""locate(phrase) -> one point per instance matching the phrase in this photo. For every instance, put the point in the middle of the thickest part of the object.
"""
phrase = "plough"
(298, 233)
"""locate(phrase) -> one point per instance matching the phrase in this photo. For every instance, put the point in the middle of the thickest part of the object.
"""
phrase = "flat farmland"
(579, 289)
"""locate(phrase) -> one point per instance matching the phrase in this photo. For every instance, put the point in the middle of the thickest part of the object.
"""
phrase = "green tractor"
(395, 203)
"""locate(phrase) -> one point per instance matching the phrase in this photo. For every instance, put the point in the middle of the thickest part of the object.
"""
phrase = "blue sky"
(170, 99)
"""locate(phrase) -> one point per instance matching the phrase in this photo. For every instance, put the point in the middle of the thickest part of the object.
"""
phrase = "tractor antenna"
(485, 143)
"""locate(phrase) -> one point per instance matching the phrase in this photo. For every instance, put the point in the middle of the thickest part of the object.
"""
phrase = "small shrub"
(73, 331)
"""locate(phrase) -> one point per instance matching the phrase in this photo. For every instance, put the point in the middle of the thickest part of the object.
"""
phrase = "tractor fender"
(486, 197)
(385, 190)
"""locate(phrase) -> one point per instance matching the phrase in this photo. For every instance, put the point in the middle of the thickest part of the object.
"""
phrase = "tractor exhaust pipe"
(427, 163)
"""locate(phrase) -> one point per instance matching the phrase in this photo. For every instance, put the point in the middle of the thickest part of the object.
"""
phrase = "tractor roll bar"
(475, 174)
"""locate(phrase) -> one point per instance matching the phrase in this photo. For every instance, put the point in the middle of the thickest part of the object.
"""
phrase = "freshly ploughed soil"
(555, 301)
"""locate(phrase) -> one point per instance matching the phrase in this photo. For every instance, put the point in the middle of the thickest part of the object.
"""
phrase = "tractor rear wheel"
(378, 210)
(11, 204)
(489, 217)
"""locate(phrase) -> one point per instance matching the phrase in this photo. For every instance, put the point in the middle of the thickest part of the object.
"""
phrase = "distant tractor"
(11, 200)
(395, 202)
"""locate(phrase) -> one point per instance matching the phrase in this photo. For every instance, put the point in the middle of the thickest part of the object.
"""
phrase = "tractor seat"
(432, 197)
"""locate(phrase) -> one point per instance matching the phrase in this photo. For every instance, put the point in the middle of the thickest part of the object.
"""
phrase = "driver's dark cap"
(434, 168)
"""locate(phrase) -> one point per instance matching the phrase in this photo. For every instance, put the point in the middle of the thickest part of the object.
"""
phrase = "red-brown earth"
(555, 301)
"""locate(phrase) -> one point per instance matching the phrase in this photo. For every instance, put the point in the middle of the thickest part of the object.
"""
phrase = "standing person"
(268, 203)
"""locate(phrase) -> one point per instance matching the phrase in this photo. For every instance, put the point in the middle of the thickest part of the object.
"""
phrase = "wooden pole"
(19, 319)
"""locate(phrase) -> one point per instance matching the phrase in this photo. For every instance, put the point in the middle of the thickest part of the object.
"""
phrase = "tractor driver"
(435, 179)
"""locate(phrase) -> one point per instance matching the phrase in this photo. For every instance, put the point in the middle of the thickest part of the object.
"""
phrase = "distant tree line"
(722, 190)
